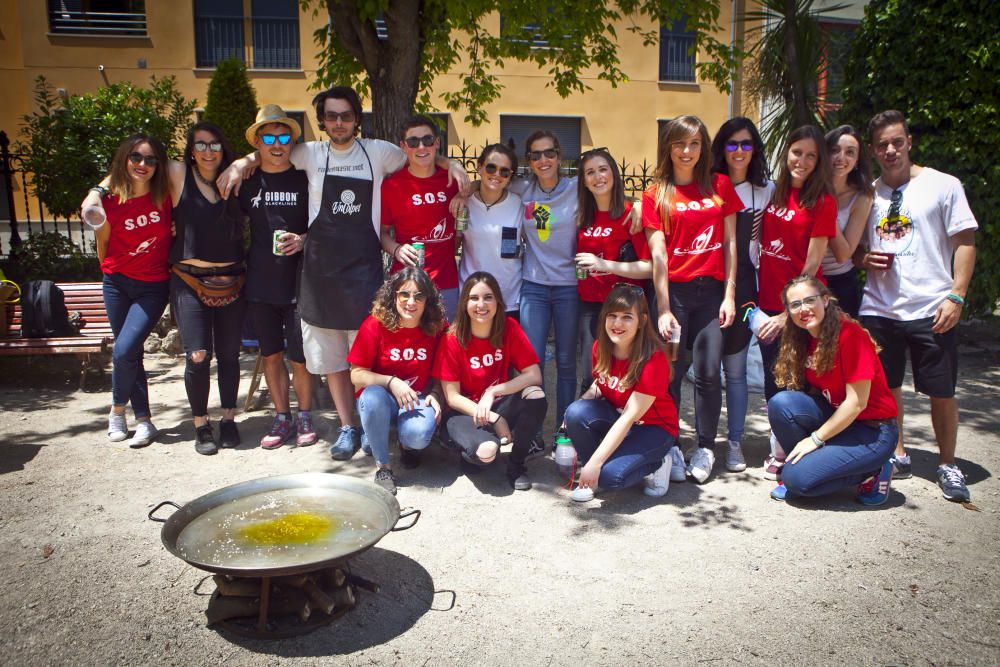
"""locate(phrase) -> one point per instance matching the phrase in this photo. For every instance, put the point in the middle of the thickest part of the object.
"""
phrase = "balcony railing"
(97, 23)
(676, 59)
(274, 41)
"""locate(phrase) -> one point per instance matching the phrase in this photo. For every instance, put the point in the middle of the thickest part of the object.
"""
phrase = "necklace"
(205, 181)
(489, 206)
(551, 190)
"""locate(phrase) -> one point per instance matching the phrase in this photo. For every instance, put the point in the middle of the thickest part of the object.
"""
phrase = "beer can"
(419, 247)
(462, 220)
(278, 233)
(581, 273)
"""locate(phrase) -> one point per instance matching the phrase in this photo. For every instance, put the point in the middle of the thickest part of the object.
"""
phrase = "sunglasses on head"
(139, 158)
(334, 116)
(202, 146)
(631, 287)
(427, 140)
(733, 146)
(269, 139)
(593, 151)
(550, 153)
(504, 172)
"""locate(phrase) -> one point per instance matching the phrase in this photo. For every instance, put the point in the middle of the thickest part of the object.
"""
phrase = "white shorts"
(326, 350)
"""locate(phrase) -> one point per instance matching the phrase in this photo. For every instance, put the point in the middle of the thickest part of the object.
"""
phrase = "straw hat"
(272, 113)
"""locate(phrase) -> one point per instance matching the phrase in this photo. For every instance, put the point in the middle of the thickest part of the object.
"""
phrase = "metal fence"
(22, 214)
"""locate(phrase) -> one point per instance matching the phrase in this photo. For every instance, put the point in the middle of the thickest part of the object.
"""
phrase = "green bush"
(232, 103)
(69, 143)
(939, 63)
(51, 256)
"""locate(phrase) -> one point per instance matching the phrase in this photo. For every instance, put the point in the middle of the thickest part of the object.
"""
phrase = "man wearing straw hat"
(276, 200)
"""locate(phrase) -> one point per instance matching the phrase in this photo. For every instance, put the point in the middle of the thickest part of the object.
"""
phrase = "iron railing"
(676, 57)
(97, 23)
(274, 41)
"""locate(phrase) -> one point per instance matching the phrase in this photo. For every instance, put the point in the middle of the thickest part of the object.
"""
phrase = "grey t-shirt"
(549, 231)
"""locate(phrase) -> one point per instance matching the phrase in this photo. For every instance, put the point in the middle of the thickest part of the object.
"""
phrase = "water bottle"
(565, 455)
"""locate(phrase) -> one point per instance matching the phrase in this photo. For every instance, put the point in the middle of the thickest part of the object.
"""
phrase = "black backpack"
(43, 311)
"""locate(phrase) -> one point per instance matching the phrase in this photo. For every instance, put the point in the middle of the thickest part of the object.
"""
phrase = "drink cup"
(890, 257)
(94, 216)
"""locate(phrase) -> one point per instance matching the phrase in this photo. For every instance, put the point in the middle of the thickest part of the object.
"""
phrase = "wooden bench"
(95, 338)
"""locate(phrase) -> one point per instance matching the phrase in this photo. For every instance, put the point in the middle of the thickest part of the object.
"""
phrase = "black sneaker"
(384, 478)
(517, 476)
(410, 458)
(204, 440)
(537, 448)
(229, 435)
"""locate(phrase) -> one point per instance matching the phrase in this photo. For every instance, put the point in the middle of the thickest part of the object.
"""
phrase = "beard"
(342, 140)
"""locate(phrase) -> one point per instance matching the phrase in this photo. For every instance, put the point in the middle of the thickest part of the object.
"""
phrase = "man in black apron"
(342, 258)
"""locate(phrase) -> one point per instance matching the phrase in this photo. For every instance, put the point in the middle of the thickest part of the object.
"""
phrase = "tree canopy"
(424, 39)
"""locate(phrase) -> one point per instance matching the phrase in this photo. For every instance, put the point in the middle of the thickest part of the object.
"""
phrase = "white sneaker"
(701, 465)
(734, 458)
(678, 469)
(582, 495)
(117, 428)
(658, 483)
(145, 433)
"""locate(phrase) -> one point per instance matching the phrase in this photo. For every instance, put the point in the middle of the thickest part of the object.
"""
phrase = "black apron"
(342, 258)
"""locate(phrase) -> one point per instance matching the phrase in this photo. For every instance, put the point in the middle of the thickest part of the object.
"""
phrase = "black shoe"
(229, 435)
(517, 476)
(204, 440)
(410, 458)
(384, 478)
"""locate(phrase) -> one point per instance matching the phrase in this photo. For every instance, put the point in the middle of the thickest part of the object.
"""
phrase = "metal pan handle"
(165, 502)
(415, 513)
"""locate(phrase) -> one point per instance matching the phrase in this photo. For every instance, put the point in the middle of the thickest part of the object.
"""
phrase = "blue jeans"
(540, 305)
(638, 455)
(134, 307)
(379, 411)
(737, 394)
(848, 458)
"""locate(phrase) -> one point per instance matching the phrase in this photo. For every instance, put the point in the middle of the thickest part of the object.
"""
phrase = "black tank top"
(206, 231)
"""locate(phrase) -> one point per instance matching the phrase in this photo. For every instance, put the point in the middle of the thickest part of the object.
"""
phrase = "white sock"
(776, 450)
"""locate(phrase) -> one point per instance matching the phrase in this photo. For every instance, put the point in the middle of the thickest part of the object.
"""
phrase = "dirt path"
(715, 574)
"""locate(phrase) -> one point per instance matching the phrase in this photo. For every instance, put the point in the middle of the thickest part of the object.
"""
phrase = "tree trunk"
(796, 84)
(393, 65)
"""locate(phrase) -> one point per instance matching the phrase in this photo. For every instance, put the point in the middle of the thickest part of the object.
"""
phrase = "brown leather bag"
(213, 296)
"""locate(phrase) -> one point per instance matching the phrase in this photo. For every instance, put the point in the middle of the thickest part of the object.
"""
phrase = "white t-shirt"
(481, 245)
(932, 210)
(311, 157)
(549, 231)
(830, 265)
(755, 198)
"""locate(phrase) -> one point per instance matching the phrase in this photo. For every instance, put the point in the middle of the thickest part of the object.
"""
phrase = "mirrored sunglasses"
(214, 146)
(269, 139)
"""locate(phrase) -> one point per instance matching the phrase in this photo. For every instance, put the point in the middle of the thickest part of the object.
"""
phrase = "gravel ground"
(715, 574)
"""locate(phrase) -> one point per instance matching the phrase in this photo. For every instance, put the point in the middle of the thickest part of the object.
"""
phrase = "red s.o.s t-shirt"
(856, 360)
(140, 237)
(694, 233)
(479, 366)
(605, 238)
(406, 353)
(784, 243)
(654, 380)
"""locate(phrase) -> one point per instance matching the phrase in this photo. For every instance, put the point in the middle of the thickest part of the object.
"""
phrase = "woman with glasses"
(836, 414)
(690, 218)
(491, 379)
(798, 222)
(133, 239)
(852, 186)
(391, 361)
(625, 424)
(607, 253)
(738, 152)
(493, 240)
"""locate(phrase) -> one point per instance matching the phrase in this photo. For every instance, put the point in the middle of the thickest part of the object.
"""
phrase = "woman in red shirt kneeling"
(490, 408)
(836, 417)
(624, 426)
(391, 361)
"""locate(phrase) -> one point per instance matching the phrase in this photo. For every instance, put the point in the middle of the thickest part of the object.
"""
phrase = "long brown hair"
(793, 355)
(624, 298)
(586, 202)
(679, 129)
(860, 178)
(121, 182)
(384, 306)
(819, 181)
(462, 327)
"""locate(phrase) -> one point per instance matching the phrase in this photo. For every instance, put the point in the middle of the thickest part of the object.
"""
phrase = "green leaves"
(69, 144)
(232, 103)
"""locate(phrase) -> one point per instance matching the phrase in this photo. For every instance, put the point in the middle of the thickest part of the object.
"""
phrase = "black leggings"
(696, 304)
(210, 329)
(523, 415)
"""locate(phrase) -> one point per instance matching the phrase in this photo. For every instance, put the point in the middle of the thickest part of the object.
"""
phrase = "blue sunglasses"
(269, 139)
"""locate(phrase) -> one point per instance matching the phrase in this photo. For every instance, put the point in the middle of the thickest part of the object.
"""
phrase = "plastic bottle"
(565, 455)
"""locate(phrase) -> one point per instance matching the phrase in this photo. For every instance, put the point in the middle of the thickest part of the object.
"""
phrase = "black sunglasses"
(202, 146)
(733, 146)
(427, 140)
(491, 168)
(631, 287)
(588, 153)
(333, 116)
(895, 203)
(550, 153)
(139, 158)
(269, 139)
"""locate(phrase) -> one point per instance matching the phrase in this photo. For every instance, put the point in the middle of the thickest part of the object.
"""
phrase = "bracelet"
(100, 189)
(954, 298)
(395, 250)
(389, 382)
(816, 440)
